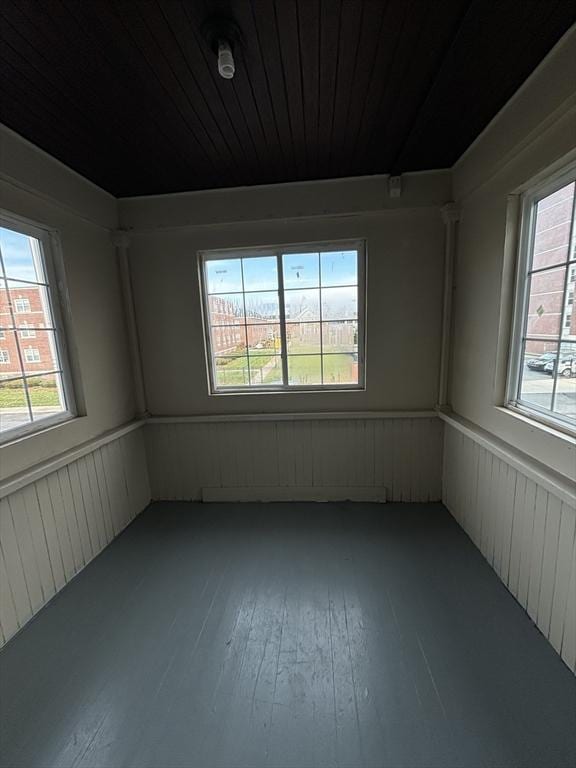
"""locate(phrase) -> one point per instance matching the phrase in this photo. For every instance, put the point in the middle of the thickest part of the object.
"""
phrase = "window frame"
(50, 253)
(527, 230)
(277, 251)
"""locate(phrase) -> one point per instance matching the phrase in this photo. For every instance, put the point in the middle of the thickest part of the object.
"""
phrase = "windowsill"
(291, 391)
(535, 421)
(20, 435)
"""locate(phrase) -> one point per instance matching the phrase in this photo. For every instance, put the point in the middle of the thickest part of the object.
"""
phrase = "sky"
(17, 256)
(301, 270)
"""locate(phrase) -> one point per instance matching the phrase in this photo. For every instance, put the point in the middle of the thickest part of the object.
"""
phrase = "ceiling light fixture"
(226, 66)
(224, 38)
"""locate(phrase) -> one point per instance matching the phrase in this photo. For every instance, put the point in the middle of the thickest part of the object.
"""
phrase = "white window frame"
(529, 201)
(278, 251)
(4, 357)
(49, 252)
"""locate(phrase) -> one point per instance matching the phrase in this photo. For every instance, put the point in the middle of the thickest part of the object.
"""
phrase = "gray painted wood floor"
(286, 635)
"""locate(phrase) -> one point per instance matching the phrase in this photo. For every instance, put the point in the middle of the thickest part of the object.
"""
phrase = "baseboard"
(300, 493)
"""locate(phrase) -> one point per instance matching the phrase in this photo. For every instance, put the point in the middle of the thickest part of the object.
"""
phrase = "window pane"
(339, 268)
(30, 304)
(264, 339)
(262, 307)
(340, 369)
(302, 305)
(340, 337)
(231, 372)
(5, 316)
(265, 369)
(223, 275)
(40, 353)
(537, 373)
(301, 270)
(545, 302)
(569, 319)
(13, 405)
(46, 395)
(260, 274)
(553, 217)
(339, 303)
(226, 309)
(228, 340)
(9, 360)
(304, 370)
(21, 255)
(303, 338)
(565, 401)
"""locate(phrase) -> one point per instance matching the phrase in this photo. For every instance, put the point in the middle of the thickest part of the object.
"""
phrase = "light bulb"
(225, 60)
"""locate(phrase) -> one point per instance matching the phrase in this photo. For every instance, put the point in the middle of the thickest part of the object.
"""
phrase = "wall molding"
(323, 493)
(539, 473)
(312, 416)
(14, 483)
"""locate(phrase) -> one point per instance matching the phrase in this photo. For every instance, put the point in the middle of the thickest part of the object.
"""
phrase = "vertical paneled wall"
(525, 532)
(402, 455)
(53, 527)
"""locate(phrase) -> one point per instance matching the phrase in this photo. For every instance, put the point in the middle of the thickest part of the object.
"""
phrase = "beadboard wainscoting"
(55, 519)
(522, 522)
(355, 456)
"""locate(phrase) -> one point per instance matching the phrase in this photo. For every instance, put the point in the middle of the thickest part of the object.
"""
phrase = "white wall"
(35, 186)
(67, 491)
(404, 268)
(507, 480)
(54, 526)
(339, 456)
(523, 521)
(536, 130)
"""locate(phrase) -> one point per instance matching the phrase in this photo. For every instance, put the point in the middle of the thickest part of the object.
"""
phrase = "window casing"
(35, 382)
(284, 318)
(542, 368)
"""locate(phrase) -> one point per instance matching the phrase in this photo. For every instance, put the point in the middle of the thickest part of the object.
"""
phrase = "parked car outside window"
(566, 368)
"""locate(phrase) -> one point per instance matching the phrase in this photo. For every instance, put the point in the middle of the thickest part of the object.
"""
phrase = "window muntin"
(284, 318)
(35, 387)
(543, 370)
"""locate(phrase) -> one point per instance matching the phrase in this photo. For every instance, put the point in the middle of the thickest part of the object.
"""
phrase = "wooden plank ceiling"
(127, 92)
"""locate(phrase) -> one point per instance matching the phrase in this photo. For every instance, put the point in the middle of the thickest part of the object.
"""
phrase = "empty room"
(287, 384)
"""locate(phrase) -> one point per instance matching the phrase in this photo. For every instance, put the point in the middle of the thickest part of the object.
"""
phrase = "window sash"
(277, 252)
(48, 245)
(524, 272)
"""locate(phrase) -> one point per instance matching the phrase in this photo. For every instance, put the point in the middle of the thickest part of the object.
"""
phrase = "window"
(21, 305)
(542, 376)
(35, 386)
(27, 332)
(285, 318)
(32, 355)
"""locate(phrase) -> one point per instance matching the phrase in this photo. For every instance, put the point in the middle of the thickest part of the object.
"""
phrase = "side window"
(35, 383)
(543, 365)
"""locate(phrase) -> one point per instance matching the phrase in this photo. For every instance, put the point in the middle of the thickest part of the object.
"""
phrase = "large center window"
(285, 318)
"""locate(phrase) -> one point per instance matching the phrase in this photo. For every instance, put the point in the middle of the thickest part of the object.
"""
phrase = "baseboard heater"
(296, 493)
